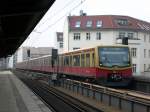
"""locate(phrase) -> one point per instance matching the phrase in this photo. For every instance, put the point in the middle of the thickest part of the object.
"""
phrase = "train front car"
(114, 66)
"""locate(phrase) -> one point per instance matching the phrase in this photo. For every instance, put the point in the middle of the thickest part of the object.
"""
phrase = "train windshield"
(114, 56)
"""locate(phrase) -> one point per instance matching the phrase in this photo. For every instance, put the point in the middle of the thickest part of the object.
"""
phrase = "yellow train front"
(114, 65)
(106, 65)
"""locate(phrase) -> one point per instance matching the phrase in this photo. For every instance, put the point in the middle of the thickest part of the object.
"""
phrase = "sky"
(43, 34)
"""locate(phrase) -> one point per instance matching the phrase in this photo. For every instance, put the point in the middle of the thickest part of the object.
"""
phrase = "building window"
(144, 67)
(76, 36)
(60, 45)
(75, 48)
(78, 24)
(99, 24)
(122, 34)
(87, 36)
(133, 52)
(122, 22)
(130, 35)
(89, 24)
(59, 37)
(134, 68)
(144, 37)
(98, 36)
(144, 53)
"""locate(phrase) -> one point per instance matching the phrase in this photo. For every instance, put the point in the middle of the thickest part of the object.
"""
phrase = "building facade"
(88, 31)
(35, 52)
(59, 42)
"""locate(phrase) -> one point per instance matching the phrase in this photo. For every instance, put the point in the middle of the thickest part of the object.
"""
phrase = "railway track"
(123, 99)
(57, 101)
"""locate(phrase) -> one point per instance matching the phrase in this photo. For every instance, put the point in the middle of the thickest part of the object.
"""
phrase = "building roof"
(107, 22)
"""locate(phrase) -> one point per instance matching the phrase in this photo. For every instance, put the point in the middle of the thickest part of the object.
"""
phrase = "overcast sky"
(53, 21)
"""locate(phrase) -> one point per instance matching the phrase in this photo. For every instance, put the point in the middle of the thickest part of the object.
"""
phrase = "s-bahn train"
(107, 65)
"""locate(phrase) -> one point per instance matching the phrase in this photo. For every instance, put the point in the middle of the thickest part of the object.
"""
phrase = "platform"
(17, 97)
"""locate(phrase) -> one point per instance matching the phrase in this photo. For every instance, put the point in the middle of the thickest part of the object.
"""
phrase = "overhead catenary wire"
(51, 25)
(59, 11)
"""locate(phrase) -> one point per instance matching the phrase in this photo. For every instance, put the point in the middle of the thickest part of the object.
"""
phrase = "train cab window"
(66, 60)
(93, 60)
(82, 60)
(70, 64)
(88, 60)
(76, 60)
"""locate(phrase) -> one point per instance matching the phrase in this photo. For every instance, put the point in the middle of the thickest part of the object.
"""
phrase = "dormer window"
(122, 22)
(99, 24)
(89, 24)
(78, 24)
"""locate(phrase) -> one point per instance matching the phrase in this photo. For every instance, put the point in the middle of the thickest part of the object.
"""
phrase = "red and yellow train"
(108, 65)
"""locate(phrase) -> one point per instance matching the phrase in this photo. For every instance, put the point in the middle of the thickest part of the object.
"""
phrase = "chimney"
(82, 13)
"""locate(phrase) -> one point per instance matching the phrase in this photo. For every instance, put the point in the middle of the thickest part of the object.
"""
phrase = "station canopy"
(17, 20)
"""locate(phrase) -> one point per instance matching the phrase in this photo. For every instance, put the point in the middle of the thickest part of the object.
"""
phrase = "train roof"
(79, 51)
(92, 48)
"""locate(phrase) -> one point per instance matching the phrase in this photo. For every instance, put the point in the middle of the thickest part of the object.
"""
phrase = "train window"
(50, 60)
(62, 60)
(66, 60)
(88, 60)
(70, 61)
(45, 61)
(59, 57)
(76, 60)
(93, 60)
(82, 60)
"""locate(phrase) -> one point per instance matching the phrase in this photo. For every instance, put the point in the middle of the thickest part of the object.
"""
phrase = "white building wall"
(57, 45)
(66, 36)
(107, 38)
(145, 45)
(60, 50)
(10, 63)
(19, 55)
